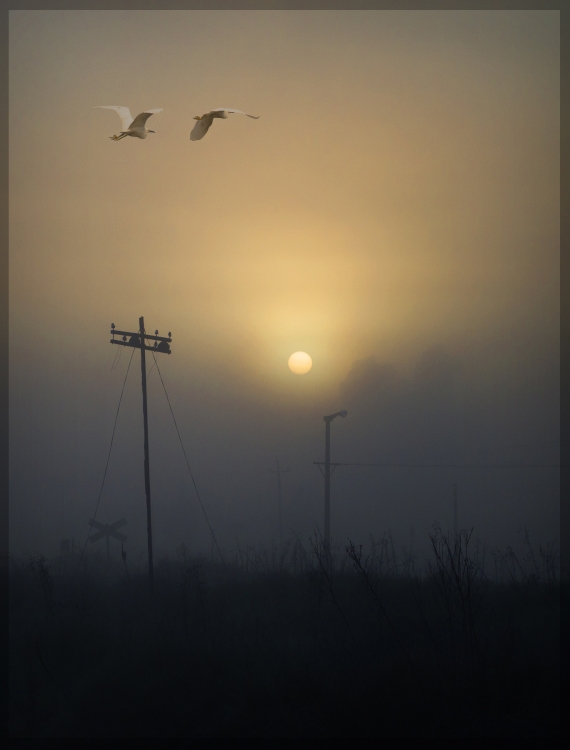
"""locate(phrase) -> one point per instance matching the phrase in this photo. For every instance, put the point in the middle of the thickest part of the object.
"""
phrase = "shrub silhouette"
(286, 646)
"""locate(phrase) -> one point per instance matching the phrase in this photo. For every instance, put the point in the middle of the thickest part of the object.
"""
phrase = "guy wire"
(108, 459)
(117, 358)
(190, 470)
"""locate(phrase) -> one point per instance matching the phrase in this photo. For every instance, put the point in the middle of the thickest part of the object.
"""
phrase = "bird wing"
(140, 120)
(201, 128)
(236, 111)
(124, 114)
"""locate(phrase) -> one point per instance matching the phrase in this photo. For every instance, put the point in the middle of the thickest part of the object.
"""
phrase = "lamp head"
(342, 413)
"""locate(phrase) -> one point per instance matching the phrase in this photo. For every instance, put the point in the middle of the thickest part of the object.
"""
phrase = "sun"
(300, 363)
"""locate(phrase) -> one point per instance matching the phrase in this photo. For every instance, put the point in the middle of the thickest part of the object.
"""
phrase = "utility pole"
(137, 340)
(455, 512)
(328, 421)
(279, 472)
(327, 483)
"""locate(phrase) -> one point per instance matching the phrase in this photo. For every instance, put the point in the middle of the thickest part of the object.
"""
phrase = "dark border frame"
(562, 7)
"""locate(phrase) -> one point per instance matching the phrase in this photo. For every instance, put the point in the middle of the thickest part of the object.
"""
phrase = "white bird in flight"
(136, 127)
(203, 123)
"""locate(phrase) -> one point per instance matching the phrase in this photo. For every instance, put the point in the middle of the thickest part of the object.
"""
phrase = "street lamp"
(328, 421)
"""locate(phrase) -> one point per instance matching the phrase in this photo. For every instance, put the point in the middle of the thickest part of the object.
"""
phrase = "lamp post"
(328, 421)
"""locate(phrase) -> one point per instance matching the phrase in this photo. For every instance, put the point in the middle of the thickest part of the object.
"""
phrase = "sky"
(394, 213)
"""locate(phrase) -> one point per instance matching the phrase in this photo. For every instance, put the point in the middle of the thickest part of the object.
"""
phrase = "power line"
(495, 449)
(454, 466)
(530, 445)
(520, 445)
(189, 469)
(108, 459)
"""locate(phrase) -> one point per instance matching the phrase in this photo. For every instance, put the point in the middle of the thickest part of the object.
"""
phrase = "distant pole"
(146, 456)
(279, 472)
(327, 483)
(279, 503)
(161, 345)
(455, 511)
(328, 421)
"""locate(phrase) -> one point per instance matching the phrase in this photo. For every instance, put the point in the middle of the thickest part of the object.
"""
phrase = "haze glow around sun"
(300, 363)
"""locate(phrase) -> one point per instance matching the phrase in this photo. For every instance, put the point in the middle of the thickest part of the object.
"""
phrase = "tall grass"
(280, 644)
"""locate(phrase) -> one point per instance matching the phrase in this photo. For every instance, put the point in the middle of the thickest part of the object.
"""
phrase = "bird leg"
(118, 137)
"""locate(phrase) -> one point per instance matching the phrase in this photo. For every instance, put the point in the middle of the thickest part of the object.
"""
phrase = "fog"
(394, 212)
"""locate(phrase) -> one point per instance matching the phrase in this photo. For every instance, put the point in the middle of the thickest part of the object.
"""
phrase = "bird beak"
(197, 117)
(152, 131)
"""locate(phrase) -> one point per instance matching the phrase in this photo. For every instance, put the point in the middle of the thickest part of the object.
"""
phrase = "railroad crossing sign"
(106, 530)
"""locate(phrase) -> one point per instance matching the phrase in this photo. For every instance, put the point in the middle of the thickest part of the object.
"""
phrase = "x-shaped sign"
(107, 530)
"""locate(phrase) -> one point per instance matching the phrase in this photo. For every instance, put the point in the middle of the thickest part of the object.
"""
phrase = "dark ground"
(283, 649)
